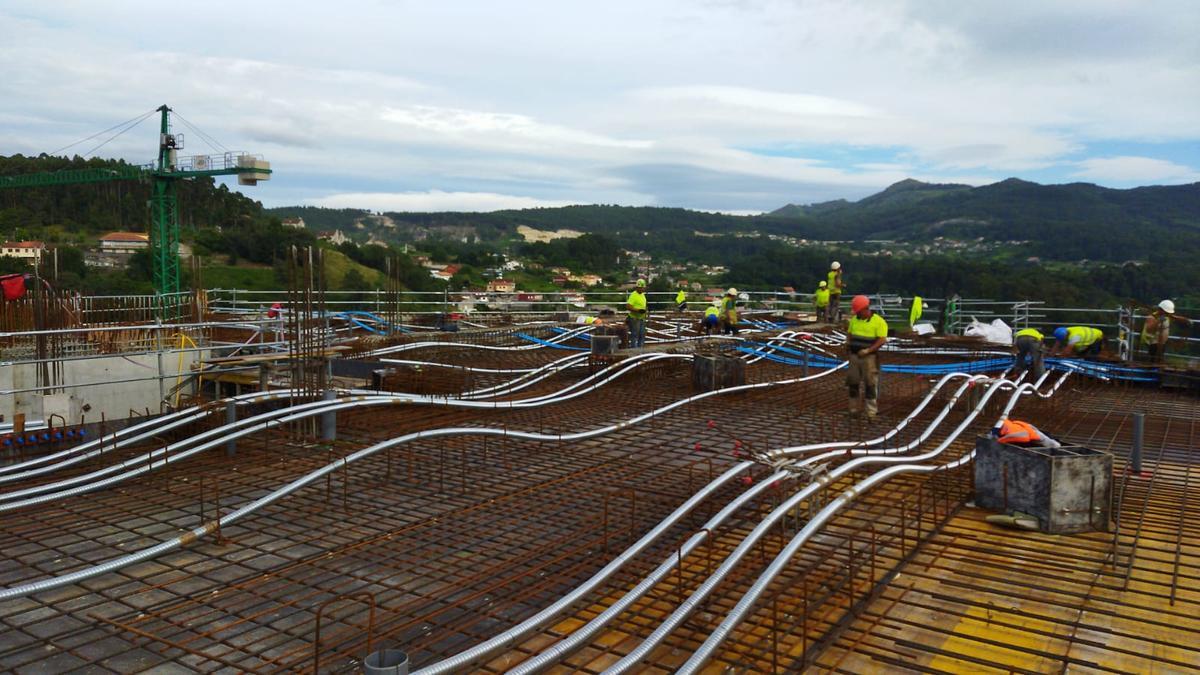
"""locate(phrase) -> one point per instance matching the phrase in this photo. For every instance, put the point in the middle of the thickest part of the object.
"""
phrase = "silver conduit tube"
(468, 345)
(154, 426)
(180, 450)
(208, 528)
(575, 640)
(746, 603)
(943, 381)
(639, 653)
(605, 375)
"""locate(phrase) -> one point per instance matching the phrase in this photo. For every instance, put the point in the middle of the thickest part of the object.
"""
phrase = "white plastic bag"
(997, 331)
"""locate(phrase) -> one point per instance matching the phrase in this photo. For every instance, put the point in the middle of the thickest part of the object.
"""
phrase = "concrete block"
(717, 371)
(605, 344)
(1068, 489)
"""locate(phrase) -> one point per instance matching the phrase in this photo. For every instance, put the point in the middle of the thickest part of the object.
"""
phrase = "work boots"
(872, 408)
(855, 409)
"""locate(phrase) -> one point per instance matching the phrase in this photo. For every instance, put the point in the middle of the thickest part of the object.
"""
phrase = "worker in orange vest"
(1016, 432)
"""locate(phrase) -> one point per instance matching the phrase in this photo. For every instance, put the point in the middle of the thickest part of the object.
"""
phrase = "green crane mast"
(164, 176)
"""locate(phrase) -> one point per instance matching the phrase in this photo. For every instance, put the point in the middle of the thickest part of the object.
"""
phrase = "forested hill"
(1067, 222)
(1054, 222)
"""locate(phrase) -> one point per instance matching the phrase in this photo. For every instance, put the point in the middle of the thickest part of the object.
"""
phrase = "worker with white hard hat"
(836, 286)
(729, 317)
(821, 301)
(1157, 330)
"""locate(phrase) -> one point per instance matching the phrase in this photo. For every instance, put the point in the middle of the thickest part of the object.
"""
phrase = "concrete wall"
(113, 400)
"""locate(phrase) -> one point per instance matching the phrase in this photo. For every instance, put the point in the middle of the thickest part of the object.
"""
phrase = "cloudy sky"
(723, 105)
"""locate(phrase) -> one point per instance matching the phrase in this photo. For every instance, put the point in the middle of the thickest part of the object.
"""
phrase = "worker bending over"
(836, 286)
(1024, 434)
(1078, 341)
(1157, 330)
(821, 301)
(729, 316)
(1027, 346)
(712, 317)
(636, 306)
(864, 337)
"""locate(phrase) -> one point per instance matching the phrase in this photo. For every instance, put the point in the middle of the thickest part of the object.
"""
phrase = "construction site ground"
(437, 545)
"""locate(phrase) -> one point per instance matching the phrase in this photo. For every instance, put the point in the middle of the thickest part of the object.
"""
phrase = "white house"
(29, 250)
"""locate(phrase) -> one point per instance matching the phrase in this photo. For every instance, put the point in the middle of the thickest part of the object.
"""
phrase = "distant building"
(297, 223)
(446, 273)
(501, 286)
(123, 242)
(588, 280)
(29, 250)
(334, 237)
(560, 280)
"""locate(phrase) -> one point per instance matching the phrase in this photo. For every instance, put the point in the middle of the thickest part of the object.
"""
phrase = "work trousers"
(822, 312)
(1029, 355)
(637, 332)
(834, 312)
(863, 370)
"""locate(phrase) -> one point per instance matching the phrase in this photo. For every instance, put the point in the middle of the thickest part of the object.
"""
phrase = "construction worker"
(865, 335)
(836, 286)
(712, 317)
(1157, 329)
(729, 316)
(1078, 341)
(914, 312)
(1027, 346)
(681, 300)
(1024, 434)
(636, 306)
(821, 301)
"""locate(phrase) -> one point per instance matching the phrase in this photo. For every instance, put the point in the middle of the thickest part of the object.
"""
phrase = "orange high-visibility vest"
(1016, 431)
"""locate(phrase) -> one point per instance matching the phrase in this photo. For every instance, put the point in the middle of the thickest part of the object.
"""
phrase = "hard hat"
(731, 291)
(1167, 306)
(641, 283)
(836, 265)
(859, 303)
(822, 285)
(1060, 333)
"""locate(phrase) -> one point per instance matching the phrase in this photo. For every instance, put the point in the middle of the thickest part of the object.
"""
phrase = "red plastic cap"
(859, 303)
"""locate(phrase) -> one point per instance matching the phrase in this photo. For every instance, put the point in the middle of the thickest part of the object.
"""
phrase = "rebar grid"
(459, 539)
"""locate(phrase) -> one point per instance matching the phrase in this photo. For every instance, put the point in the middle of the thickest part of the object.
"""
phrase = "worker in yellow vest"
(681, 300)
(821, 301)
(836, 285)
(1027, 347)
(1078, 341)
(729, 315)
(865, 335)
(1157, 330)
(712, 317)
(914, 312)
(636, 306)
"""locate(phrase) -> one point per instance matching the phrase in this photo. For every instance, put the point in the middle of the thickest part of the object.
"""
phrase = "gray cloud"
(623, 102)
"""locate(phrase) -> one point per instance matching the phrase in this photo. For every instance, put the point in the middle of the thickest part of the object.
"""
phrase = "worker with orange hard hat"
(865, 335)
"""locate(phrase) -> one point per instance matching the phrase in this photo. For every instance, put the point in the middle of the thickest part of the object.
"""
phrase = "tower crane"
(164, 175)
